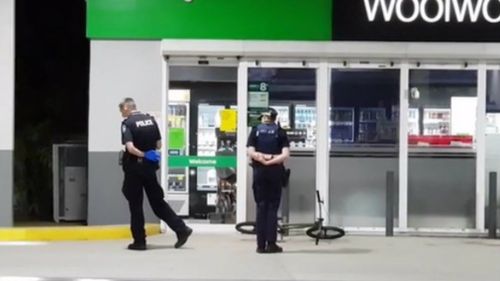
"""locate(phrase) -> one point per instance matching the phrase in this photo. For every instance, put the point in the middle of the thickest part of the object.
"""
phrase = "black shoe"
(273, 248)
(182, 237)
(261, 250)
(137, 246)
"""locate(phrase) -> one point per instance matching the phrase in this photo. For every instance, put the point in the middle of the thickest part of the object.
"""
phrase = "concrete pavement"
(231, 256)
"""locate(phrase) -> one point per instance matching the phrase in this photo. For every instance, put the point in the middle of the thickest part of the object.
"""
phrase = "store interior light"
(414, 93)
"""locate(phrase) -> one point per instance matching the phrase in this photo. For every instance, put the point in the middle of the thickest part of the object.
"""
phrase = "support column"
(7, 28)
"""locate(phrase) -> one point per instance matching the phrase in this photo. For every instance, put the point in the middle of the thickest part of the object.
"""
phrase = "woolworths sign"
(432, 11)
(417, 20)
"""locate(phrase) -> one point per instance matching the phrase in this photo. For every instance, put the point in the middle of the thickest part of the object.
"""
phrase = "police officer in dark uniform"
(141, 137)
(268, 147)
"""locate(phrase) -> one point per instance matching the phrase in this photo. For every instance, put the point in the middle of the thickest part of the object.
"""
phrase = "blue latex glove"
(152, 155)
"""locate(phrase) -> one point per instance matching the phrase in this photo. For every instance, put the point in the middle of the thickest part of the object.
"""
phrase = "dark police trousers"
(267, 184)
(137, 176)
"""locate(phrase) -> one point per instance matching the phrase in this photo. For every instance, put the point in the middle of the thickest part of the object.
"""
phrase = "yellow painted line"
(67, 233)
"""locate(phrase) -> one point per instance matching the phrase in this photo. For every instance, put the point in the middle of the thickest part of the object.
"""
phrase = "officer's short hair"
(127, 101)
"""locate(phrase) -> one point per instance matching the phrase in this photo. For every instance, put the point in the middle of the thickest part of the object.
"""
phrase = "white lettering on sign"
(144, 123)
(486, 12)
(202, 162)
(447, 10)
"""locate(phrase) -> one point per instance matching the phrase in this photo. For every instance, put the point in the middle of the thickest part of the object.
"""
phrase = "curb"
(72, 233)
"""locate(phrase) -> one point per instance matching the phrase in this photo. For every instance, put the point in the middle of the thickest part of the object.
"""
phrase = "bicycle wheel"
(325, 232)
(247, 227)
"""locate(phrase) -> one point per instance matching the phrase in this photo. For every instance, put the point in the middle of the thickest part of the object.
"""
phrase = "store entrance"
(364, 145)
(202, 173)
(441, 147)
(291, 91)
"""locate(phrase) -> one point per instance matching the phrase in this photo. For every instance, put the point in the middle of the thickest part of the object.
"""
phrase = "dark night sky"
(52, 67)
(51, 96)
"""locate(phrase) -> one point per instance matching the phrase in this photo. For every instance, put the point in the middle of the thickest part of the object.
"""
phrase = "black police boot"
(137, 246)
(182, 237)
(273, 248)
(261, 250)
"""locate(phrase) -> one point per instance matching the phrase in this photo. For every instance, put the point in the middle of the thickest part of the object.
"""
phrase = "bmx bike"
(314, 230)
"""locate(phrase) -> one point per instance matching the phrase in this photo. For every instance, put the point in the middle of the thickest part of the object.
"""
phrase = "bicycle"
(314, 230)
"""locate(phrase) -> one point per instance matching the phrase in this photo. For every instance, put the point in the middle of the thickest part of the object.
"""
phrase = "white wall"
(121, 69)
(7, 74)
(118, 69)
(7, 110)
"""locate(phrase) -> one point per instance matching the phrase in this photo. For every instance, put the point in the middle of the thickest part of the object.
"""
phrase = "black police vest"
(144, 131)
(268, 139)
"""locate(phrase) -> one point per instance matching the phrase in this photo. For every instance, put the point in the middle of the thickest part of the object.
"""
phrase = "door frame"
(480, 152)
(322, 83)
(167, 62)
(382, 64)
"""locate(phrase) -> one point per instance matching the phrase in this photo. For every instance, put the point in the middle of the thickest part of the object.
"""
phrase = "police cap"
(271, 112)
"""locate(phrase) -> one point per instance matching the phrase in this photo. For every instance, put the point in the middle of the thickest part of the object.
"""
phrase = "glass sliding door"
(202, 143)
(441, 148)
(492, 130)
(292, 93)
(364, 128)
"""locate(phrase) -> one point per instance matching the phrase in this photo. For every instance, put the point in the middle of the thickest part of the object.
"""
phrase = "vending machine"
(437, 121)
(342, 125)
(214, 194)
(283, 116)
(208, 122)
(369, 123)
(178, 140)
(413, 121)
(303, 135)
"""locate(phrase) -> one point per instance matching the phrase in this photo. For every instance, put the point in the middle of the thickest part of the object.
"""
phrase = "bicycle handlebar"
(319, 205)
(318, 197)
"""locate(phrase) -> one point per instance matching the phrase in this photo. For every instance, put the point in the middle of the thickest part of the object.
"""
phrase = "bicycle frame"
(318, 223)
(314, 230)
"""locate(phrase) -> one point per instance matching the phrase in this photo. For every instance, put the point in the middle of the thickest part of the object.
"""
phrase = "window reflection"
(291, 92)
(364, 107)
(442, 109)
(493, 102)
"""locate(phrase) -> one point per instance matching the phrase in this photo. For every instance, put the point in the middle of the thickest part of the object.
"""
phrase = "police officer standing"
(141, 137)
(268, 147)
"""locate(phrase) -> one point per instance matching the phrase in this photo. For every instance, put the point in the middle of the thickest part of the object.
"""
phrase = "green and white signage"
(202, 161)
